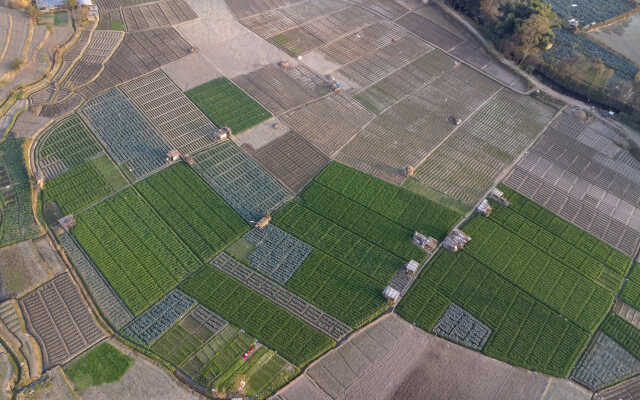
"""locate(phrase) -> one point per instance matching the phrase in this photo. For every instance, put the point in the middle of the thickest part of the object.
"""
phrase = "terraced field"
(17, 222)
(60, 320)
(134, 249)
(178, 121)
(550, 285)
(192, 209)
(157, 14)
(89, 65)
(239, 180)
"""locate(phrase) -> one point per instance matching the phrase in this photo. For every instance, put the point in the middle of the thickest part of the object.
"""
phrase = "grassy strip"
(102, 364)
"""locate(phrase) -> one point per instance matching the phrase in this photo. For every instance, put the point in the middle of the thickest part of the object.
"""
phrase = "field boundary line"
(6, 44)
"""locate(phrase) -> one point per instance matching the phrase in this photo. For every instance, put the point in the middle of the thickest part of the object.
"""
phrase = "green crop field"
(631, 290)
(16, 215)
(526, 332)
(531, 277)
(270, 324)
(399, 205)
(193, 210)
(83, 185)
(102, 364)
(625, 334)
(227, 105)
(134, 248)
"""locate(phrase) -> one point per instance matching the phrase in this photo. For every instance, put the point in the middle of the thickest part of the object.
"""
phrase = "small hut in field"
(391, 294)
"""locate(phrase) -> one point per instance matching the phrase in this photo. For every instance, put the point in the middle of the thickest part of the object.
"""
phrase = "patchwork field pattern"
(625, 334)
(288, 335)
(158, 14)
(17, 222)
(129, 138)
(138, 54)
(605, 362)
(291, 159)
(83, 185)
(466, 164)
(110, 20)
(101, 46)
(410, 129)
(277, 254)
(631, 290)
(147, 327)
(252, 7)
(461, 327)
(60, 320)
(192, 209)
(65, 145)
(110, 305)
(280, 296)
(135, 250)
(430, 31)
(239, 180)
(328, 123)
(203, 323)
(581, 172)
(178, 121)
(227, 105)
(281, 89)
(62, 108)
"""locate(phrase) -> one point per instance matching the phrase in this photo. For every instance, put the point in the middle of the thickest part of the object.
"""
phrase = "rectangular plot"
(430, 31)
(155, 15)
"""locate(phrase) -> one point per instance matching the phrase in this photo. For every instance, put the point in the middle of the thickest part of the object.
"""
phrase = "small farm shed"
(498, 195)
(67, 222)
(264, 221)
(391, 294)
(412, 267)
(484, 208)
(173, 155)
(39, 179)
(456, 240)
(224, 132)
(426, 243)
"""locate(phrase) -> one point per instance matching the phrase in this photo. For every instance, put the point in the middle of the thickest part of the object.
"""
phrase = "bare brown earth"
(21, 269)
(54, 388)
(392, 359)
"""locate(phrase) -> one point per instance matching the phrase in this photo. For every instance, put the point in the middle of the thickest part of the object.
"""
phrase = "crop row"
(227, 105)
(277, 254)
(134, 249)
(83, 185)
(288, 335)
(157, 319)
(526, 332)
(539, 273)
(65, 145)
(405, 208)
(625, 334)
(192, 209)
(345, 245)
(589, 11)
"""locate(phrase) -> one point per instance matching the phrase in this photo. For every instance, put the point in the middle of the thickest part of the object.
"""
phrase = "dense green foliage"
(135, 249)
(102, 364)
(193, 210)
(176, 345)
(83, 185)
(405, 208)
(631, 291)
(526, 332)
(270, 324)
(227, 105)
(16, 215)
(625, 334)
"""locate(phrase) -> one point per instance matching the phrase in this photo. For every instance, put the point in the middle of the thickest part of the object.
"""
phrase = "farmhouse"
(497, 195)
(264, 221)
(391, 294)
(484, 208)
(426, 243)
(412, 267)
(173, 155)
(456, 240)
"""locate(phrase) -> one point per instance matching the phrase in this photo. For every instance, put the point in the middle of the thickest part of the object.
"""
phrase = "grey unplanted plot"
(210, 320)
(110, 305)
(154, 15)
(239, 180)
(277, 254)
(151, 324)
(461, 327)
(282, 297)
(126, 134)
(604, 363)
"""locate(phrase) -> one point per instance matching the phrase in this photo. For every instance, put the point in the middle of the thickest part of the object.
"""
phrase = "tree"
(533, 34)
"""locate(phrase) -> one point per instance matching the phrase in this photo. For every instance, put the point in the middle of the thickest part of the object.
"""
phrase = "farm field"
(227, 105)
(24, 345)
(291, 159)
(281, 331)
(631, 291)
(625, 334)
(192, 209)
(134, 249)
(114, 120)
(591, 11)
(83, 185)
(469, 160)
(239, 180)
(621, 37)
(539, 265)
(102, 364)
(64, 145)
(157, 14)
(17, 221)
(583, 172)
(58, 317)
(178, 121)
(111, 20)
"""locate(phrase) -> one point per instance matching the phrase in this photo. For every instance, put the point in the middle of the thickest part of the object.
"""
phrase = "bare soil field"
(292, 160)
(391, 359)
(22, 268)
(59, 319)
(101, 46)
(156, 15)
(143, 380)
(6, 373)
(110, 19)
(582, 172)
(205, 8)
(191, 71)
(260, 135)
(27, 124)
(55, 387)
(626, 390)
(66, 106)
(622, 37)
(24, 345)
